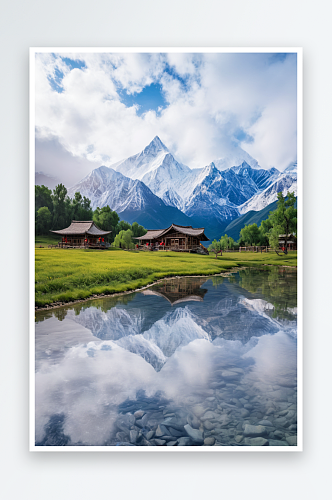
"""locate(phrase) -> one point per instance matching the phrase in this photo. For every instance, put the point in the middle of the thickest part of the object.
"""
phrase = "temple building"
(177, 238)
(291, 242)
(82, 234)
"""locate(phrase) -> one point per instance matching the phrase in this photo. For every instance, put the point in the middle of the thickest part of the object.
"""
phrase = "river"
(186, 362)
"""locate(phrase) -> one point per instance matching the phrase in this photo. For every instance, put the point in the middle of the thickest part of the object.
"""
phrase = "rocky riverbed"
(228, 415)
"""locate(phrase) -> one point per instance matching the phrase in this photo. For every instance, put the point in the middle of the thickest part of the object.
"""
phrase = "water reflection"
(169, 368)
(179, 290)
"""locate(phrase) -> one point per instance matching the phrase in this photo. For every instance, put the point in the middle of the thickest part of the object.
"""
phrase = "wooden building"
(291, 241)
(82, 234)
(177, 238)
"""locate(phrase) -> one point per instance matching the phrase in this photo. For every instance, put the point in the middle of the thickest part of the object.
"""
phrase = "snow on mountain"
(148, 350)
(153, 182)
(130, 198)
(219, 193)
(291, 170)
(112, 324)
(259, 179)
(176, 329)
(210, 197)
(236, 157)
(104, 186)
(159, 342)
(148, 160)
(283, 183)
(168, 176)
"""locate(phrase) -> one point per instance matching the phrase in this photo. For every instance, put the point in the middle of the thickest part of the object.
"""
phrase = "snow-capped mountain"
(291, 170)
(130, 198)
(156, 344)
(236, 157)
(154, 165)
(225, 191)
(283, 183)
(155, 189)
(160, 171)
(103, 186)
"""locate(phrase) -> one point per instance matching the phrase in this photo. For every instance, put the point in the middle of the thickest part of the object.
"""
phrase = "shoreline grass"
(63, 276)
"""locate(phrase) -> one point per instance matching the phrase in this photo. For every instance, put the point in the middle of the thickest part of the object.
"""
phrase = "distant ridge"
(233, 229)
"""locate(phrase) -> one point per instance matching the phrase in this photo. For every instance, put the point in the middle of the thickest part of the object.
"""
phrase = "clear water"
(189, 362)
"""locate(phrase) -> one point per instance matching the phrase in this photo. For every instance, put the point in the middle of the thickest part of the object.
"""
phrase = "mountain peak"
(211, 167)
(155, 146)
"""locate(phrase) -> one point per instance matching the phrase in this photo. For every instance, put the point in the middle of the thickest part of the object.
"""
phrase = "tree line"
(283, 220)
(55, 210)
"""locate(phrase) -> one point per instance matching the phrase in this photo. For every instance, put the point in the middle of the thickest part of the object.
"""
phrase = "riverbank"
(67, 276)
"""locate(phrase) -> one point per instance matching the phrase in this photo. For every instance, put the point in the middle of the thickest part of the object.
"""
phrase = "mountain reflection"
(154, 328)
(216, 353)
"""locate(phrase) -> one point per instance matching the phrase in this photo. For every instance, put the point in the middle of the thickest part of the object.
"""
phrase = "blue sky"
(150, 98)
(102, 108)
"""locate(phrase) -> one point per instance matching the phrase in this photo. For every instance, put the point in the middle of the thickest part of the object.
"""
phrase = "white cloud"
(214, 103)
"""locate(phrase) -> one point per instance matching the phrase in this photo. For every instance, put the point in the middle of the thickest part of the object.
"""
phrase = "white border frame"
(165, 449)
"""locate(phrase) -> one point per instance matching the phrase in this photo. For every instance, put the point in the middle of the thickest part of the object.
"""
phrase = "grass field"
(66, 275)
(44, 241)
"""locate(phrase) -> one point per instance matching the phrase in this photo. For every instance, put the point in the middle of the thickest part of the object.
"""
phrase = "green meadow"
(66, 275)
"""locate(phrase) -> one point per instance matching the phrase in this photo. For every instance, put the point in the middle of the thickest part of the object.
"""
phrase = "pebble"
(214, 385)
(265, 422)
(184, 441)
(144, 442)
(198, 410)
(159, 442)
(208, 425)
(238, 438)
(172, 443)
(211, 398)
(254, 430)
(133, 436)
(195, 434)
(209, 441)
(193, 421)
(162, 431)
(209, 415)
(149, 435)
(279, 434)
(280, 421)
(121, 436)
(257, 441)
(175, 432)
(139, 413)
